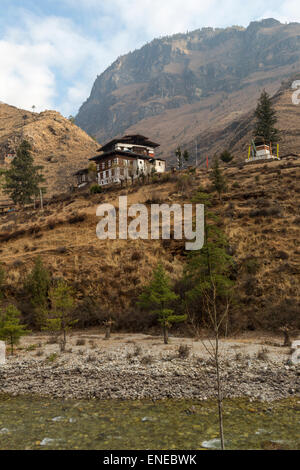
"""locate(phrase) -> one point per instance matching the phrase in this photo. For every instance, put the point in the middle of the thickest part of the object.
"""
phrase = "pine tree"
(2, 280)
(23, 179)
(186, 156)
(37, 285)
(211, 266)
(226, 156)
(218, 179)
(62, 301)
(208, 274)
(157, 297)
(11, 329)
(266, 119)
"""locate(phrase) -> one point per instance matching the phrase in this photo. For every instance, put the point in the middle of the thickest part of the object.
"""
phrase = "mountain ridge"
(177, 87)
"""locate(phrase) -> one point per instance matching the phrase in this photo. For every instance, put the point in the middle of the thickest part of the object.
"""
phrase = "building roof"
(135, 139)
(81, 172)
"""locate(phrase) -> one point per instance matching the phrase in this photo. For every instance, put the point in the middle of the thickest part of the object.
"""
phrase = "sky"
(51, 51)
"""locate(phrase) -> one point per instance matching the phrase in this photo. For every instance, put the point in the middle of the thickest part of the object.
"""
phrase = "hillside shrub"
(96, 189)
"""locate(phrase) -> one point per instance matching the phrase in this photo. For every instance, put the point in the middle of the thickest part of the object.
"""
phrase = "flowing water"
(35, 423)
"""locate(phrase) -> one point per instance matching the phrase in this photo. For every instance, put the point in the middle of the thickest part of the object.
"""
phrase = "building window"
(115, 161)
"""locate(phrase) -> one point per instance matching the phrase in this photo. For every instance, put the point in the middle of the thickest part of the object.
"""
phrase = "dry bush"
(147, 360)
(154, 198)
(184, 183)
(184, 351)
(272, 211)
(282, 255)
(136, 256)
(137, 350)
(76, 218)
(61, 250)
(262, 355)
(252, 265)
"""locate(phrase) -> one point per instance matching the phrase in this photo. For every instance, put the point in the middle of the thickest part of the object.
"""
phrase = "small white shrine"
(262, 150)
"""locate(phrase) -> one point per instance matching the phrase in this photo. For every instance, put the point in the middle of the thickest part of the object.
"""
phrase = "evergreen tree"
(61, 320)
(37, 285)
(211, 267)
(186, 156)
(218, 179)
(2, 280)
(266, 119)
(157, 297)
(11, 329)
(208, 274)
(226, 156)
(23, 179)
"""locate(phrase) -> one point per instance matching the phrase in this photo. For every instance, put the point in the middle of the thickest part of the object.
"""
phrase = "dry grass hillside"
(259, 213)
(237, 135)
(58, 145)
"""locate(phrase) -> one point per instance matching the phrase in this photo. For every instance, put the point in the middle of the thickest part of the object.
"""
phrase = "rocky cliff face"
(177, 87)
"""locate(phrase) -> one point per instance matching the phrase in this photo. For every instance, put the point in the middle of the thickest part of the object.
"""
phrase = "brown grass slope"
(237, 135)
(58, 145)
(259, 214)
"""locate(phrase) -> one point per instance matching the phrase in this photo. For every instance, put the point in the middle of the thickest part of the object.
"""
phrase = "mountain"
(238, 134)
(191, 86)
(57, 144)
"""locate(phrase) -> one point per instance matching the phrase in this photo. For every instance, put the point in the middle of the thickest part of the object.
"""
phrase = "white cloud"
(52, 61)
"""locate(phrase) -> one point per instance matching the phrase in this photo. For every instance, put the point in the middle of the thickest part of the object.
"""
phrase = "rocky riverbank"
(128, 371)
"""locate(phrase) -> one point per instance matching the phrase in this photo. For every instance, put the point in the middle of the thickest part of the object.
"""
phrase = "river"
(36, 423)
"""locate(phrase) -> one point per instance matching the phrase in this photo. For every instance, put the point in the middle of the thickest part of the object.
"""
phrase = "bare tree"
(286, 330)
(108, 325)
(217, 319)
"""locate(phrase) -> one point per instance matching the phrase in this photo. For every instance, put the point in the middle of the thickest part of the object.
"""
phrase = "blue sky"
(52, 50)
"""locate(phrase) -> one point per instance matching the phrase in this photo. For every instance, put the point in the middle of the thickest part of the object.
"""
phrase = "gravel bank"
(119, 374)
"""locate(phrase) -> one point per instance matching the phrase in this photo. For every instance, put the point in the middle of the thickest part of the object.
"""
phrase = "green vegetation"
(186, 156)
(36, 286)
(208, 273)
(218, 179)
(11, 329)
(181, 157)
(61, 319)
(2, 280)
(23, 179)
(266, 119)
(95, 189)
(226, 156)
(157, 298)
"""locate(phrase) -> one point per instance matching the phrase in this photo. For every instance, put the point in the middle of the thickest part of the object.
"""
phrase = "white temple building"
(262, 150)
